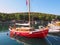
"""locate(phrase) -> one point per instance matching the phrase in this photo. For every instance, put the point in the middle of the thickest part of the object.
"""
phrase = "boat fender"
(10, 28)
(14, 33)
(7, 33)
(30, 32)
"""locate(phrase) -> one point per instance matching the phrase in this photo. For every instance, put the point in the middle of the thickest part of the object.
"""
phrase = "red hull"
(38, 34)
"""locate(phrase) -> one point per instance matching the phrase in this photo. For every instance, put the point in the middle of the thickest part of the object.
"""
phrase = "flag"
(27, 2)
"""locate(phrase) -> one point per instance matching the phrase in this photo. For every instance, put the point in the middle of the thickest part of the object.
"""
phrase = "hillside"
(24, 16)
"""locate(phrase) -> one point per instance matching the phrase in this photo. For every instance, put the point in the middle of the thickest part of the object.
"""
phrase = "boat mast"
(29, 12)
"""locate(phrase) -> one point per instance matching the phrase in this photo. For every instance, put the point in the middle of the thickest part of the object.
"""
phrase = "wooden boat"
(27, 30)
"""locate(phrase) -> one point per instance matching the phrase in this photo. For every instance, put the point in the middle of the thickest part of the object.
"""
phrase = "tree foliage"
(24, 16)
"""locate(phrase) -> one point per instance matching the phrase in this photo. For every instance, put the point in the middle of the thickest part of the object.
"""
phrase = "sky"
(43, 6)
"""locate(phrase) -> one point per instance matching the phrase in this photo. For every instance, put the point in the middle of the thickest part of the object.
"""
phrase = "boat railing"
(24, 24)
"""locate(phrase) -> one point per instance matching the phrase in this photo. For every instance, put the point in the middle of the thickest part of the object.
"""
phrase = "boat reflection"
(30, 41)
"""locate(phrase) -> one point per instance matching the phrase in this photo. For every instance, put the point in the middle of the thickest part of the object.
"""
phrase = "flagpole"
(29, 12)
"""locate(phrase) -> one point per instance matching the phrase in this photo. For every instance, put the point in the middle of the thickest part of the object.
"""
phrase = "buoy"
(7, 33)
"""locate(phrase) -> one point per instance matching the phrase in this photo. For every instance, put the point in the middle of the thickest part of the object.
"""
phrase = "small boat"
(26, 30)
(54, 28)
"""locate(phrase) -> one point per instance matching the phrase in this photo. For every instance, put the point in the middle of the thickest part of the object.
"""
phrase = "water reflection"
(31, 41)
(3, 27)
(6, 39)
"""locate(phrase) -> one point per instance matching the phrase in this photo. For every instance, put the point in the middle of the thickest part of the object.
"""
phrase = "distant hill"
(24, 16)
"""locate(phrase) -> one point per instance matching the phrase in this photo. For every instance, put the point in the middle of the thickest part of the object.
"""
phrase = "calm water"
(51, 39)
